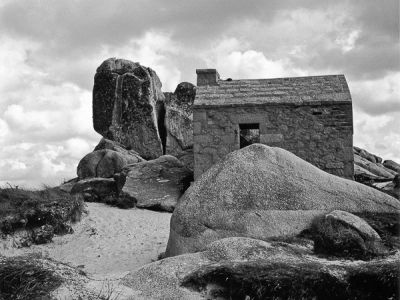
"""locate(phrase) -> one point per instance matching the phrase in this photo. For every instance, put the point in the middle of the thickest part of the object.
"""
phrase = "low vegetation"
(42, 212)
(337, 239)
(387, 225)
(26, 278)
(268, 280)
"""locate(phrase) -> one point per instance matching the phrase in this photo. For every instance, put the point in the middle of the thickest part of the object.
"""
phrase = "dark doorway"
(249, 134)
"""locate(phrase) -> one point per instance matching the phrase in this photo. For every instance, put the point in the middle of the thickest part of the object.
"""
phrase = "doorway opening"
(249, 133)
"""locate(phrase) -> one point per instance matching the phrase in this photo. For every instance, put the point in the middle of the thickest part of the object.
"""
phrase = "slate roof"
(310, 90)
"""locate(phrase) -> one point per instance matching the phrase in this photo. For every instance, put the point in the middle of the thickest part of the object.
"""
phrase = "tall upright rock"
(126, 106)
(179, 122)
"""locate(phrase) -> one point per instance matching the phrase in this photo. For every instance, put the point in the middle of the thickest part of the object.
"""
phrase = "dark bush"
(24, 209)
(387, 225)
(306, 280)
(338, 239)
(377, 280)
(266, 280)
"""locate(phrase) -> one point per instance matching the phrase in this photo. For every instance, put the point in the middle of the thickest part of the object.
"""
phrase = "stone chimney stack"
(207, 77)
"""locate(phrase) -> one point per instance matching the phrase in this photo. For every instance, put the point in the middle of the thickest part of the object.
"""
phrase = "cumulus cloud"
(50, 50)
(379, 96)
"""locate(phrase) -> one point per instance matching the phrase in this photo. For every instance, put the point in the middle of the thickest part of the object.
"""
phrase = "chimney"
(207, 77)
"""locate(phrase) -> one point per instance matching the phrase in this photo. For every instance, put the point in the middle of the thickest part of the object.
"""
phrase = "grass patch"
(387, 225)
(26, 209)
(26, 278)
(338, 239)
(274, 280)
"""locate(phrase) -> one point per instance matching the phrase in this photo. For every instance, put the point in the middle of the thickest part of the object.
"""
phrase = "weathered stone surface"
(367, 155)
(366, 231)
(95, 189)
(391, 188)
(156, 184)
(375, 168)
(308, 116)
(105, 163)
(124, 105)
(243, 265)
(320, 135)
(362, 175)
(392, 165)
(179, 123)
(261, 192)
(115, 146)
(67, 186)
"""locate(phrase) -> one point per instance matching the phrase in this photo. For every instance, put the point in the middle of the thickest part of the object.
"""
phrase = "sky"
(49, 52)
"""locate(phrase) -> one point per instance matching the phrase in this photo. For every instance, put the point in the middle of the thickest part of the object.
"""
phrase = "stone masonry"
(309, 116)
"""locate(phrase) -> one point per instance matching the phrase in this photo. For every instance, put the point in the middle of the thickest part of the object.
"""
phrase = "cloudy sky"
(49, 51)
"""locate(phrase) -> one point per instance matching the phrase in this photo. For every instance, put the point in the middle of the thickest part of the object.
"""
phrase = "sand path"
(108, 242)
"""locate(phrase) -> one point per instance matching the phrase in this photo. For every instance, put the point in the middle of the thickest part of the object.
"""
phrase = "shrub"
(268, 280)
(24, 209)
(338, 239)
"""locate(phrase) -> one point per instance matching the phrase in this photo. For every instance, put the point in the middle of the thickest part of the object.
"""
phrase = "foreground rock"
(125, 96)
(343, 234)
(156, 184)
(261, 192)
(243, 268)
(179, 123)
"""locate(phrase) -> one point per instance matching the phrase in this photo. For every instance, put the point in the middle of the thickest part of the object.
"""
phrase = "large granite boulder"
(105, 163)
(179, 123)
(262, 192)
(156, 184)
(124, 106)
(244, 268)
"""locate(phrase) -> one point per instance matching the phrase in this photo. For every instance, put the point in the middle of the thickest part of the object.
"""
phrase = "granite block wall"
(321, 134)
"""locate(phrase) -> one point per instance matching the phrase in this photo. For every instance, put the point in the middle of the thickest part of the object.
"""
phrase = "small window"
(249, 134)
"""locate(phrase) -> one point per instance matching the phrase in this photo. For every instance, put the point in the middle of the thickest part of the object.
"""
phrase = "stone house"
(309, 116)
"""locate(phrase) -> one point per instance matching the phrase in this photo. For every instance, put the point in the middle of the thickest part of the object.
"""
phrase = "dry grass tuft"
(26, 278)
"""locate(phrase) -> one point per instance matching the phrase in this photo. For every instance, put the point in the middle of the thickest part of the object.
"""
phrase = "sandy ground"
(108, 242)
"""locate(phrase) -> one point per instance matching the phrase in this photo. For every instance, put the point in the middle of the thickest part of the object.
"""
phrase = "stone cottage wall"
(319, 134)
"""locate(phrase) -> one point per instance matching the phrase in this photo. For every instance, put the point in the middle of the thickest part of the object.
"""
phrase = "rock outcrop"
(156, 184)
(392, 165)
(261, 192)
(179, 123)
(369, 170)
(375, 168)
(95, 189)
(104, 163)
(125, 96)
(244, 268)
